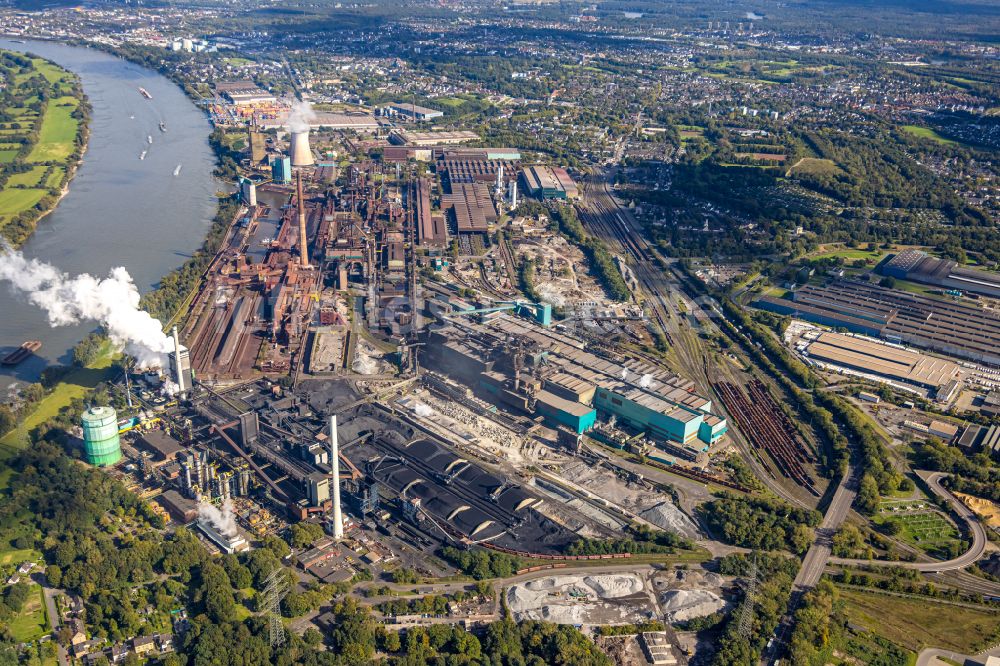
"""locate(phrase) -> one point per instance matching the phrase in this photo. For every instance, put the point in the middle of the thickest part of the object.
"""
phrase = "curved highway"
(966, 559)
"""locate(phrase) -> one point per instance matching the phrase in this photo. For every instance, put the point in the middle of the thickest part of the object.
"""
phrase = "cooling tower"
(299, 150)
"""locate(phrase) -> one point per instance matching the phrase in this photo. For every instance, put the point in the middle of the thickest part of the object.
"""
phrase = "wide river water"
(120, 210)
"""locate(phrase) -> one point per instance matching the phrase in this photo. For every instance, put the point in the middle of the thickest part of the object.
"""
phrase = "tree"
(847, 541)
(404, 575)
(312, 637)
(812, 624)
(216, 593)
(802, 538)
(868, 495)
(277, 546)
(16, 595)
(391, 642)
(304, 534)
(239, 575)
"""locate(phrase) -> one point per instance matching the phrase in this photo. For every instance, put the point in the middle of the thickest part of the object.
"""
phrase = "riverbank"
(74, 386)
(60, 403)
(51, 130)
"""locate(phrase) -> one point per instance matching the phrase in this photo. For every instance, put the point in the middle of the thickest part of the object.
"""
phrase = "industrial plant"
(340, 365)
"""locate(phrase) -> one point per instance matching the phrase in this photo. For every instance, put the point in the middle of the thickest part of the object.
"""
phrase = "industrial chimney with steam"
(299, 149)
(179, 365)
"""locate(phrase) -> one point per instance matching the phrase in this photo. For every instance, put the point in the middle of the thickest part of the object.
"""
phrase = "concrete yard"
(619, 598)
(650, 505)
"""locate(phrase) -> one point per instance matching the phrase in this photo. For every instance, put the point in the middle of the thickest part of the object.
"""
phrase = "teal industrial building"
(524, 366)
(281, 170)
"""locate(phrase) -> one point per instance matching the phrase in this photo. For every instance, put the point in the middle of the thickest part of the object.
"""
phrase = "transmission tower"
(746, 610)
(275, 589)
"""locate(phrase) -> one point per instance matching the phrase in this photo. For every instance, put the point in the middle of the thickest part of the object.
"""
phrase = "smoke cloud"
(420, 409)
(300, 117)
(112, 302)
(624, 373)
(645, 381)
(223, 520)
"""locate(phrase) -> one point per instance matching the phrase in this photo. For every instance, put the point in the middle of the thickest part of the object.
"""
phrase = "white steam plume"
(645, 381)
(223, 520)
(300, 117)
(112, 302)
(624, 373)
(420, 409)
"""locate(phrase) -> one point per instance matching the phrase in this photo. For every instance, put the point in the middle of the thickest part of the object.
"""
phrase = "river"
(120, 210)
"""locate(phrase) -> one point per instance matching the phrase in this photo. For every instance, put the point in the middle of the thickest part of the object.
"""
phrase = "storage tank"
(100, 436)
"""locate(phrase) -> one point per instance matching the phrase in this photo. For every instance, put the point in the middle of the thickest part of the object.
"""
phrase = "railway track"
(604, 217)
(768, 428)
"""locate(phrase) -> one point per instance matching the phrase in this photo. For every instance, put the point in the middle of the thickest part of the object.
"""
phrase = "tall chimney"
(303, 247)
(338, 519)
(177, 362)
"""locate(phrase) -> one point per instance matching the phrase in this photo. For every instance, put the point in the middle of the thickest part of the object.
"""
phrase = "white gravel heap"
(683, 605)
(549, 598)
(667, 516)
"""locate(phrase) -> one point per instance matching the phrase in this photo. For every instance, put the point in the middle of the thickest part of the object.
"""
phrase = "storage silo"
(100, 436)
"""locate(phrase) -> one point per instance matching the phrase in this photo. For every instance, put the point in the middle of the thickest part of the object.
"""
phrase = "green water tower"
(100, 436)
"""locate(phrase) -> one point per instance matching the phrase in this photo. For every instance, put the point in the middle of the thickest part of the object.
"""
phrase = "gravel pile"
(683, 605)
(667, 516)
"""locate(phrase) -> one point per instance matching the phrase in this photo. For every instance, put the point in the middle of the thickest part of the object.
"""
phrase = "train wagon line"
(767, 427)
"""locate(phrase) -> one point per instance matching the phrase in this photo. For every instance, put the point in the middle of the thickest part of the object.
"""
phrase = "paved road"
(929, 657)
(815, 560)
(817, 557)
(50, 606)
(976, 528)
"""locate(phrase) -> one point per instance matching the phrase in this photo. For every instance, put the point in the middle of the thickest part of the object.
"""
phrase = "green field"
(814, 165)
(50, 71)
(927, 133)
(451, 102)
(916, 624)
(14, 201)
(57, 138)
(849, 254)
(74, 385)
(31, 623)
(28, 178)
(690, 132)
(928, 530)
(56, 131)
(15, 556)
(55, 177)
